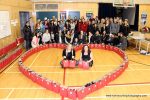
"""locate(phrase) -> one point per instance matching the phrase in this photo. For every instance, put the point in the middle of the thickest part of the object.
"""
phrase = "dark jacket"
(27, 32)
(107, 29)
(69, 55)
(126, 30)
(90, 28)
(97, 38)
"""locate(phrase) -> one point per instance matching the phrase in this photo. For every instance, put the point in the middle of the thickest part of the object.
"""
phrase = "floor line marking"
(110, 85)
(11, 66)
(131, 68)
(35, 59)
(64, 79)
(93, 66)
(124, 84)
(40, 88)
(64, 76)
(128, 85)
(142, 69)
(78, 71)
(61, 72)
(88, 97)
(9, 94)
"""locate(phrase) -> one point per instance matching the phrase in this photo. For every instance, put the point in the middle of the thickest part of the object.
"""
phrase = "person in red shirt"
(84, 26)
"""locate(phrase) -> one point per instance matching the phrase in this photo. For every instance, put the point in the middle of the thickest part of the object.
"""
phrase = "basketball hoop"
(125, 7)
(124, 3)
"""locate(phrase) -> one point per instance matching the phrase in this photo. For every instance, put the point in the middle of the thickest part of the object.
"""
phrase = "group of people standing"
(113, 31)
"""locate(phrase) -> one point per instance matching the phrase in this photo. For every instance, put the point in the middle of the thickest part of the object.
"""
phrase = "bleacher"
(10, 53)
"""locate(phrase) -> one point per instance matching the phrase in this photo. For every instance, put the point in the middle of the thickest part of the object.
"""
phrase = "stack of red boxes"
(83, 65)
(69, 63)
(73, 93)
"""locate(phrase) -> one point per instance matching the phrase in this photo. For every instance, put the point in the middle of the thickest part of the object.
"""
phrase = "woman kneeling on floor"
(68, 53)
(86, 55)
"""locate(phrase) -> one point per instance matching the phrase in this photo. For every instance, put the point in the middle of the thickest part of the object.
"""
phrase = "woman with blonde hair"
(68, 54)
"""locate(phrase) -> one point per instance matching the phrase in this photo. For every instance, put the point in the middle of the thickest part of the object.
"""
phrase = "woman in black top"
(69, 53)
(126, 28)
(86, 55)
(107, 27)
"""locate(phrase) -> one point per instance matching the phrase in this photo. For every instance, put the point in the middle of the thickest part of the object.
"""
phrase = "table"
(138, 40)
(147, 46)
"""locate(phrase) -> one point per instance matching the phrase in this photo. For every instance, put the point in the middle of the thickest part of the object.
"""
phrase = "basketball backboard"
(123, 3)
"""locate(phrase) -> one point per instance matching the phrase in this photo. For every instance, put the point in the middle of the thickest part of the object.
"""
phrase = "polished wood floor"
(134, 81)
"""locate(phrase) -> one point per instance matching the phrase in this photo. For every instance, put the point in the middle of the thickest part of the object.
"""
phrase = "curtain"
(106, 10)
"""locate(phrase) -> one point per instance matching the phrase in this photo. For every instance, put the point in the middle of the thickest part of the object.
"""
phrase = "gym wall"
(14, 7)
(78, 7)
(144, 8)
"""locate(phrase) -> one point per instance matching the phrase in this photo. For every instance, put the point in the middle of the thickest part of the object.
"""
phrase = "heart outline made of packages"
(68, 92)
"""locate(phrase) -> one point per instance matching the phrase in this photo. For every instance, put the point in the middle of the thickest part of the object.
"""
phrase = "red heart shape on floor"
(68, 92)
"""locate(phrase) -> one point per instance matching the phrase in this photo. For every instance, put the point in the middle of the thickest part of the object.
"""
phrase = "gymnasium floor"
(134, 81)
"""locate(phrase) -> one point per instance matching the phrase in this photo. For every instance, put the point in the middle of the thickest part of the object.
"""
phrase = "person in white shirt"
(46, 37)
(72, 24)
(60, 36)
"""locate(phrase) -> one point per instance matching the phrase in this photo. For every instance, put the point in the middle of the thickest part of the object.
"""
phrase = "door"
(24, 17)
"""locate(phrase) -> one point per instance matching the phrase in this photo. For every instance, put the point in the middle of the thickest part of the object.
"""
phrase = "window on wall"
(49, 15)
(45, 7)
(5, 28)
(73, 14)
